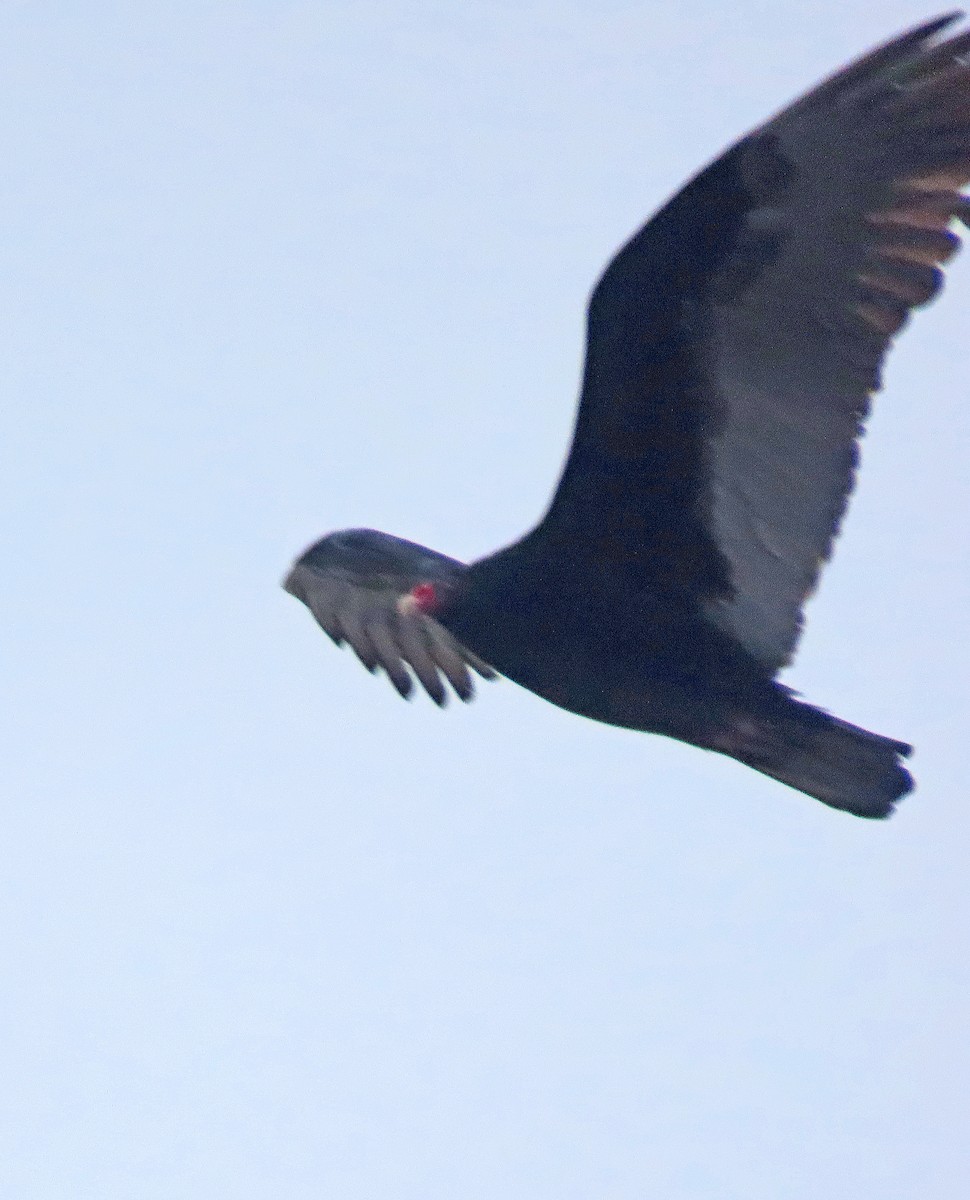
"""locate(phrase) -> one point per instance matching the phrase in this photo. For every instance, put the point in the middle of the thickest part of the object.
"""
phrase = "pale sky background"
(270, 269)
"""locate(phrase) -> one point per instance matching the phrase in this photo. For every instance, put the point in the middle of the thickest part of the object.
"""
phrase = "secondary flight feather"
(733, 347)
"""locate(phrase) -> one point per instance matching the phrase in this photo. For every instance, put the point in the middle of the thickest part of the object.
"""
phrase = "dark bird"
(733, 345)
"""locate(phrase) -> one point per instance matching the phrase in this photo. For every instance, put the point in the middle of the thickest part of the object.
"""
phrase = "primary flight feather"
(733, 346)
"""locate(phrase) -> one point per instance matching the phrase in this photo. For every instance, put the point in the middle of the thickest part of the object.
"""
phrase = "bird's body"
(733, 347)
(654, 665)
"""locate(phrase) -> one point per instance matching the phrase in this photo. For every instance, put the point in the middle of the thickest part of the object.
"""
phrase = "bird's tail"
(840, 764)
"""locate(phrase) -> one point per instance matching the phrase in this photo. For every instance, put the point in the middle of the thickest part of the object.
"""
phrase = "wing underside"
(386, 629)
(735, 342)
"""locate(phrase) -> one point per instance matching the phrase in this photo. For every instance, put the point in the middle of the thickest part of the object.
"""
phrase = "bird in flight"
(733, 345)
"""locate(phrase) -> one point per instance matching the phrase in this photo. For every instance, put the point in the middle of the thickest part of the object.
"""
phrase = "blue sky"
(274, 269)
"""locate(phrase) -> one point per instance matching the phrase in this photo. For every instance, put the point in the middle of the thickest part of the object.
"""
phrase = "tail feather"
(840, 764)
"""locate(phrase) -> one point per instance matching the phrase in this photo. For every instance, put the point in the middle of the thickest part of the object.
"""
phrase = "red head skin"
(426, 599)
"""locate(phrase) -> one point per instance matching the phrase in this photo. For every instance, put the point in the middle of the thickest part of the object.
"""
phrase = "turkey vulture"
(733, 345)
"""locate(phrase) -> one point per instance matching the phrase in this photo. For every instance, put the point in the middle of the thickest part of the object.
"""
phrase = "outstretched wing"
(734, 344)
(358, 585)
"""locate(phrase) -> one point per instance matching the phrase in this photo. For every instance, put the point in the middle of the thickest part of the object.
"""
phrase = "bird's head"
(381, 595)
(426, 582)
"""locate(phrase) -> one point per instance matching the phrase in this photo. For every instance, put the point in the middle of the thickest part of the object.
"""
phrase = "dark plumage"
(733, 347)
